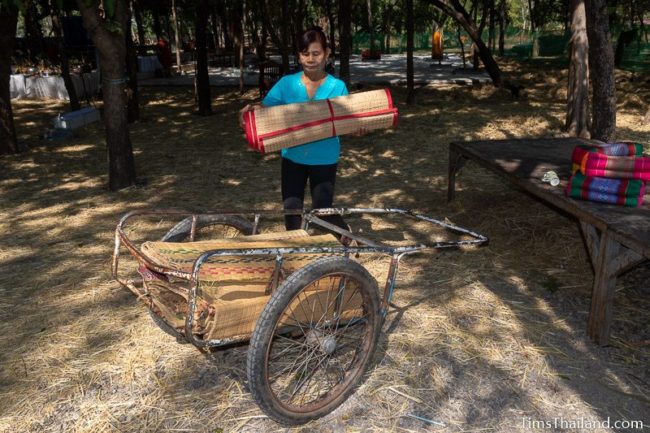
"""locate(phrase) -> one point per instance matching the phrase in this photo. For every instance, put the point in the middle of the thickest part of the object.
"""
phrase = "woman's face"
(313, 59)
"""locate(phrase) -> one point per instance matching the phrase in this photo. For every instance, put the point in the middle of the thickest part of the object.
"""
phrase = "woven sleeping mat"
(181, 256)
(232, 292)
(238, 317)
(273, 128)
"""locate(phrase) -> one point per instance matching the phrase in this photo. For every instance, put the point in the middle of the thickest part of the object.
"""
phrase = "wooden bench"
(617, 238)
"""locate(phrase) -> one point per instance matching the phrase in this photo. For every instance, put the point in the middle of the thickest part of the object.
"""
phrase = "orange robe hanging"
(436, 45)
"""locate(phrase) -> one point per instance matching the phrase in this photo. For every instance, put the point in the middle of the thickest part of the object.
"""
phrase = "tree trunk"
(137, 14)
(492, 28)
(286, 23)
(532, 15)
(371, 27)
(345, 10)
(236, 24)
(133, 107)
(577, 116)
(502, 26)
(65, 64)
(646, 118)
(8, 23)
(278, 40)
(176, 37)
(455, 10)
(462, 46)
(601, 66)
(332, 28)
(242, 46)
(215, 30)
(157, 27)
(225, 28)
(112, 55)
(409, 52)
(202, 77)
(35, 41)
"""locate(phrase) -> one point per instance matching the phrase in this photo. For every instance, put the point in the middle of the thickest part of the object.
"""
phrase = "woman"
(315, 162)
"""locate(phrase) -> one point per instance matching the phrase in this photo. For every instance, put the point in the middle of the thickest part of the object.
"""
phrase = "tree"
(8, 23)
(601, 66)
(409, 51)
(57, 29)
(133, 106)
(455, 10)
(107, 26)
(281, 41)
(177, 40)
(577, 116)
(345, 31)
(202, 76)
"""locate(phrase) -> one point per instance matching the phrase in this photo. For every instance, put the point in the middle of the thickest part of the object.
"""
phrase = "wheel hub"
(326, 343)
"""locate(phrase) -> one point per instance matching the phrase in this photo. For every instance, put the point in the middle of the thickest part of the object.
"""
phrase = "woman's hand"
(248, 107)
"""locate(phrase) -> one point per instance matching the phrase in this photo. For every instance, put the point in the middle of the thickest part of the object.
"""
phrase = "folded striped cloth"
(627, 192)
(594, 163)
(624, 148)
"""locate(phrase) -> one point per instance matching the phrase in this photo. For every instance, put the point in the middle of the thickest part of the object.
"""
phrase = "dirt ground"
(490, 340)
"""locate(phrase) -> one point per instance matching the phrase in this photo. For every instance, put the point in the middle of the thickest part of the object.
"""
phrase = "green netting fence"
(518, 44)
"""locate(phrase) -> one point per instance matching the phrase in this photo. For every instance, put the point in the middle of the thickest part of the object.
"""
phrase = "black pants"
(321, 185)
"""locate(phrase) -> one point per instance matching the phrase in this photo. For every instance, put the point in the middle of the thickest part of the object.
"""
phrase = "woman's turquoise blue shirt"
(289, 90)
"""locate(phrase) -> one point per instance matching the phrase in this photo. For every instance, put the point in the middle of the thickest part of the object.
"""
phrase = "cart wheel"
(314, 340)
(209, 227)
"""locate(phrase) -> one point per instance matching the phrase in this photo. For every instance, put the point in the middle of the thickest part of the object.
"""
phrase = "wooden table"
(617, 237)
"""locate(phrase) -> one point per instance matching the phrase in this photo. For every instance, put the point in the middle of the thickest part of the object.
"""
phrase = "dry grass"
(480, 340)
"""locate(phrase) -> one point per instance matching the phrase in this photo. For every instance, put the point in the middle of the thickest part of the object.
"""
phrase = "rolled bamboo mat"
(271, 129)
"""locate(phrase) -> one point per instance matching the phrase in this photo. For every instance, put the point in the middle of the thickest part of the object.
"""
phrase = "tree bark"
(202, 76)
(345, 10)
(278, 41)
(601, 66)
(577, 116)
(409, 52)
(137, 14)
(492, 27)
(242, 46)
(455, 10)
(332, 27)
(371, 27)
(133, 107)
(33, 32)
(157, 27)
(65, 64)
(286, 24)
(8, 23)
(176, 37)
(502, 26)
(215, 30)
(112, 56)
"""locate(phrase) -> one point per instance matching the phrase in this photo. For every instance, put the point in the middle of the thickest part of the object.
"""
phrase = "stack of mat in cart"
(614, 173)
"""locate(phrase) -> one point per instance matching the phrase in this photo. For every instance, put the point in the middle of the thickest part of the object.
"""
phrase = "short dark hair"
(314, 34)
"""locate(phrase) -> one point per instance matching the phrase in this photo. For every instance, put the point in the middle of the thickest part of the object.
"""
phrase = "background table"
(616, 237)
(52, 87)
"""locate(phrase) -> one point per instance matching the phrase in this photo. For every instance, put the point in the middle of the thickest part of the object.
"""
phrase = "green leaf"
(113, 27)
(109, 7)
(18, 4)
